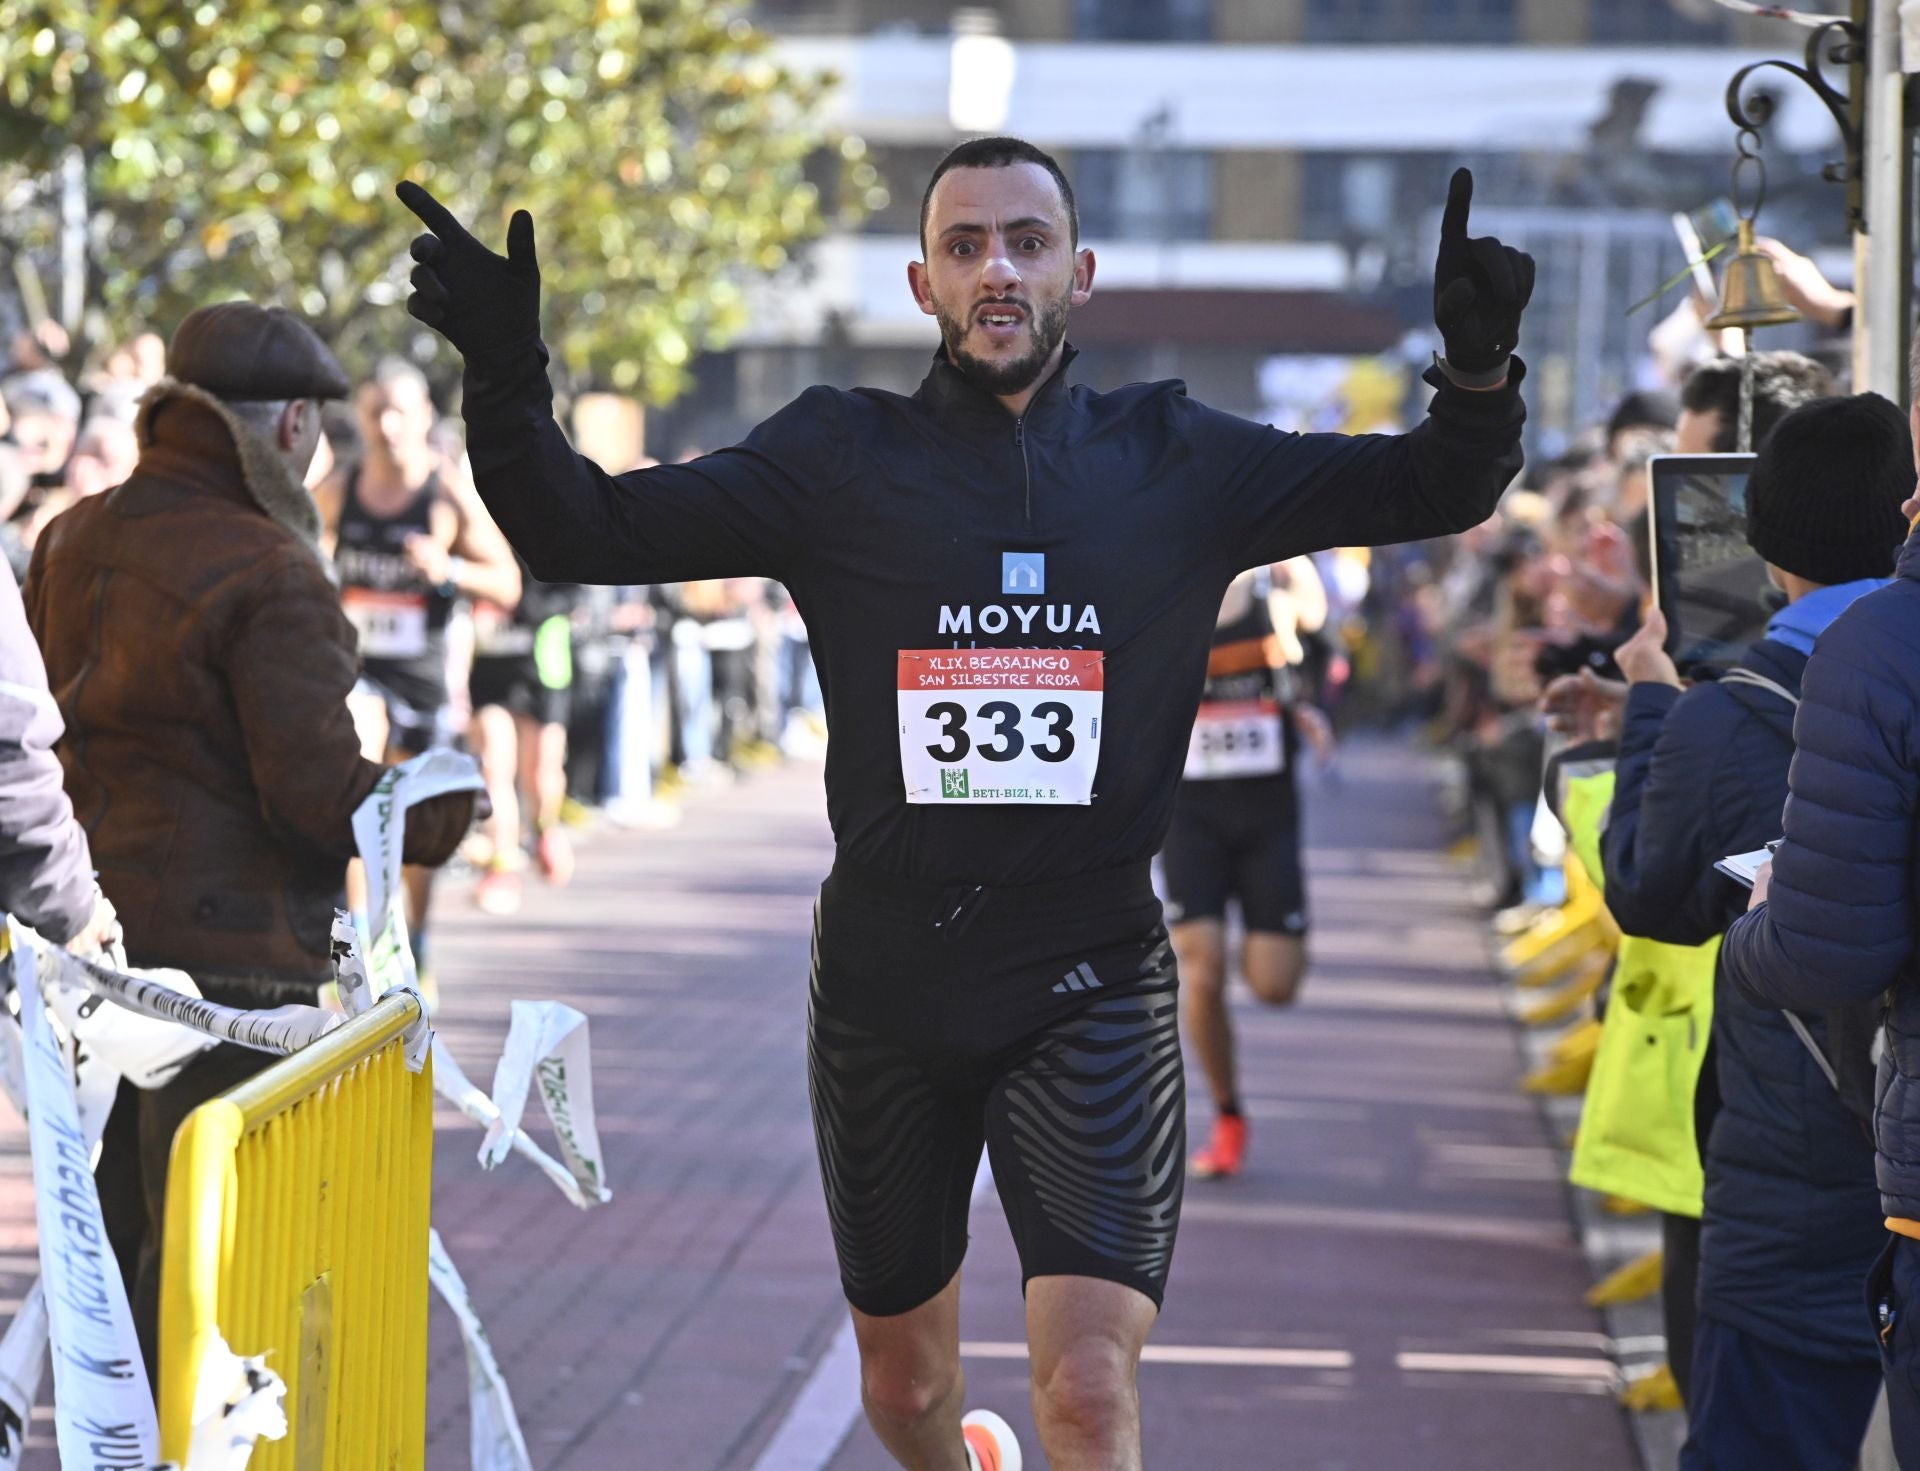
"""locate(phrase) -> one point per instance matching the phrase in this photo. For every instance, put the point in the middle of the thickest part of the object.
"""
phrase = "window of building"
(1143, 20)
(1626, 21)
(1143, 193)
(1460, 22)
(1361, 196)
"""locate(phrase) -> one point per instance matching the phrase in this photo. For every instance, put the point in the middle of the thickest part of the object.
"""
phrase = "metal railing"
(296, 1227)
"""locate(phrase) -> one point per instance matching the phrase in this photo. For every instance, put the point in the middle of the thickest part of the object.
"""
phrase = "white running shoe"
(991, 1445)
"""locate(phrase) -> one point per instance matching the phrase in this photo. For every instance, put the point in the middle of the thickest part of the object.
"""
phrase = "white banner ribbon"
(379, 832)
(548, 1041)
(282, 1029)
(103, 1407)
(494, 1429)
(238, 1401)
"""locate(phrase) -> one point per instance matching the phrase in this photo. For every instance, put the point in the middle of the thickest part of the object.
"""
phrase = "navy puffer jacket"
(1791, 1222)
(1840, 925)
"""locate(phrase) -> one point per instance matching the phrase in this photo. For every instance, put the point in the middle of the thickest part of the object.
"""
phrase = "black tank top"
(401, 619)
(1243, 733)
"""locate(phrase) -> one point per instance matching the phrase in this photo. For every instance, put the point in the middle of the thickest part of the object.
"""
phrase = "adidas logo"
(1080, 978)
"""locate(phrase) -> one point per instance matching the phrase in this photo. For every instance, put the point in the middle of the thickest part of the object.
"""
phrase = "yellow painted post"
(297, 1212)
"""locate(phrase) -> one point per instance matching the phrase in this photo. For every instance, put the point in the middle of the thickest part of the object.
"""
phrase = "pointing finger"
(520, 240)
(432, 213)
(1453, 224)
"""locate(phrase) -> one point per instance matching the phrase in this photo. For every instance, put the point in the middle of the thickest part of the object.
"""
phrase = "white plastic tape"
(238, 1401)
(451, 1082)
(547, 1041)
(379, 832)
(281, 1030)
(146, 1051)
(23, 1360)
(495, 1436)
(350, 966)
(357, 994)
(103, 1408)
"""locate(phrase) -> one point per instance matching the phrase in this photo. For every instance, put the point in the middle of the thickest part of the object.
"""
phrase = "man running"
(408, 539)
(1236, 835)
(1011, 586)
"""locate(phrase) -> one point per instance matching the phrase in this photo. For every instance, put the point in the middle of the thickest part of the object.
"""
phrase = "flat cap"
(246, 353)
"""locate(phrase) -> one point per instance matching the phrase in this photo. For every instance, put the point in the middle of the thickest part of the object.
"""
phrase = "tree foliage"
(251, 147)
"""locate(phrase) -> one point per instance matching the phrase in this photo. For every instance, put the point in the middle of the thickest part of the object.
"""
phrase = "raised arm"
(1293, 493)
(739, 513)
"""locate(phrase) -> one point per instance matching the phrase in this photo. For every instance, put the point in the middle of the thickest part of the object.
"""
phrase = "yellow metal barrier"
(297, 1227)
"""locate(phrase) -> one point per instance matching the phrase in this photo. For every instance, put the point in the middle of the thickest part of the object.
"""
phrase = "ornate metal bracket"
(1841, 43)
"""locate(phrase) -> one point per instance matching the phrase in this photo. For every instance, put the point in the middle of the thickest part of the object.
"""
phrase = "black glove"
(477, 301)
(1480, 287)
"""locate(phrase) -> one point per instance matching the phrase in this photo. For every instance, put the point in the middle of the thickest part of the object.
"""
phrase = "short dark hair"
(999, 153)
(1782, 382)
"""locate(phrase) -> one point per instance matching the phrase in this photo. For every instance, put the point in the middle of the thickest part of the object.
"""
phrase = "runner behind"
(1236, 835)
(521, 687)
(1012, 583)
(409, 537)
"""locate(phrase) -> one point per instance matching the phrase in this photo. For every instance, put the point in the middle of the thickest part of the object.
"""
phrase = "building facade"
(1261, 182)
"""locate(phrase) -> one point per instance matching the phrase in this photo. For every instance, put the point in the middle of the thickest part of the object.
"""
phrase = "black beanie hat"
(1824, 499)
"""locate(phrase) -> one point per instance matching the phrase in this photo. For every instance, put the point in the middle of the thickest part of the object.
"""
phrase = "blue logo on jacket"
(1023, 574)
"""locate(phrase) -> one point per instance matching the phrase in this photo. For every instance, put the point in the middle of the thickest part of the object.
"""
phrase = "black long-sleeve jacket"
(888, 517)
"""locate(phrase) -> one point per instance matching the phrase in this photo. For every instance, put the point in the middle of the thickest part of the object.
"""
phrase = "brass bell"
(1750, 294)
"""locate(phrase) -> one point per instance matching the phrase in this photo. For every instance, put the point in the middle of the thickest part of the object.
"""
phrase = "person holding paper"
(1784, 1373)
(1010, 583)
(1831, 922)
(195, 644)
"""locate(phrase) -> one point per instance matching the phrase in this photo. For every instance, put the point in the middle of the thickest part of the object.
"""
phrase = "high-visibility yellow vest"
(1637, 1137)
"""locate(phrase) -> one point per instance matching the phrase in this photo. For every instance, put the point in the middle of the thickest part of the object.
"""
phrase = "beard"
(1045, 326)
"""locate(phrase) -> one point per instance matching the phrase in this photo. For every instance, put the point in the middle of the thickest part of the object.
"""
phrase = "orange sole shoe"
(1226, 1152)
(991, 1444)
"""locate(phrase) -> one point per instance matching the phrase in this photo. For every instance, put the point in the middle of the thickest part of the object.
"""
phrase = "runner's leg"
(495, 734)
(498, 889)
(899, 1149)
(1084, 1337)
(911, 1383)
(1201, 947)
(1087, 1130)
(1273, 965)
(368, 710)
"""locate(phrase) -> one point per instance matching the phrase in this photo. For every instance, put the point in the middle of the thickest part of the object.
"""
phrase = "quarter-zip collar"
(952, 396)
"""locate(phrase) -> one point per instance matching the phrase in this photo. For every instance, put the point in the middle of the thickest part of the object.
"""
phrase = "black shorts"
(1236, 840)
(512, 681)
(1039, 1021)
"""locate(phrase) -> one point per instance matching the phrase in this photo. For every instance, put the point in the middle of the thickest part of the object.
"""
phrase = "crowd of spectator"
(1533, 646)
(583, 703)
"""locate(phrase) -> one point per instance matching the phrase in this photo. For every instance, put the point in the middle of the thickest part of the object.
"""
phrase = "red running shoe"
(554, 853)
(991, 1445)
(498, 892)
(1226, 1151)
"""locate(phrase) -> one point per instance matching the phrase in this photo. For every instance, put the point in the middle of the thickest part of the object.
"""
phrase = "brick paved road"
(1403, 1222)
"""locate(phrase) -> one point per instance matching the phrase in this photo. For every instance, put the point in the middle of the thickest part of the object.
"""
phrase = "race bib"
(1000, 725)
(1236, 738)
(391, 625)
